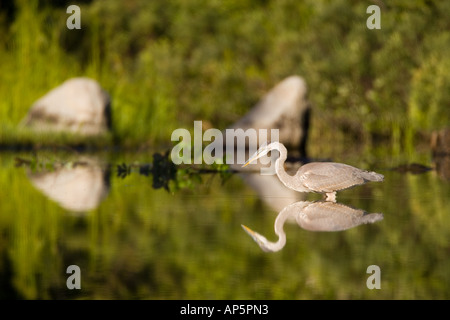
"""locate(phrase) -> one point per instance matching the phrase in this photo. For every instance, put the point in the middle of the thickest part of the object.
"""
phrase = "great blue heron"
(314, 216)
(321, 177)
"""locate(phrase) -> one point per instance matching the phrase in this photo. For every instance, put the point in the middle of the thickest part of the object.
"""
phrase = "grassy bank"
(164, 69)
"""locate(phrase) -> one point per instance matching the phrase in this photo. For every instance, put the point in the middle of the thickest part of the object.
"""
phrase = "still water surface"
(175, 233)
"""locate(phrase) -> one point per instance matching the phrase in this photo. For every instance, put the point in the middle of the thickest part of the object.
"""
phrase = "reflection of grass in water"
(435, 213)
(147, 243)
(35, 226)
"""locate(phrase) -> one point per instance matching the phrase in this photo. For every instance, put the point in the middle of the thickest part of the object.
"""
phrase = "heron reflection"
(314, 216)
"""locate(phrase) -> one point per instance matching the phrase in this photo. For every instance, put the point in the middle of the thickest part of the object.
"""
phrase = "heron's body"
(321, 177)
(325, 177)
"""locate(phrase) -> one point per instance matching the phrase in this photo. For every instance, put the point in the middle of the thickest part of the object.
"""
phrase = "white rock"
(79, 105)
(286, 108)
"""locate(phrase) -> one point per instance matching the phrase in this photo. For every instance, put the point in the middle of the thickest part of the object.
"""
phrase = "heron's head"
(265, 244)
(261, 152)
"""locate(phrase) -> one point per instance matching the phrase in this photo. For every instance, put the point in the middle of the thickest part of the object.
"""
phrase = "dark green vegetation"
(167, 63)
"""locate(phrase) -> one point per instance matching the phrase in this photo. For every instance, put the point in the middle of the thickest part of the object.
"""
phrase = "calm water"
(175, 233)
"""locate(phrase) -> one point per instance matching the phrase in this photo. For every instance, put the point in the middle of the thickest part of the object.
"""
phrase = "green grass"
(164, 69)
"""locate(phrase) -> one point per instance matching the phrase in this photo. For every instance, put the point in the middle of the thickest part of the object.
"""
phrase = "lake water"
(139, 228)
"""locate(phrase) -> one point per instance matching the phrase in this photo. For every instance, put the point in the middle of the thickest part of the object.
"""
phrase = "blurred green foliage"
(167, 63)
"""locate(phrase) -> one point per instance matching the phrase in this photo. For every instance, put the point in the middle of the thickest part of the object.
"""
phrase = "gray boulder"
(79, 105)
(286, 108)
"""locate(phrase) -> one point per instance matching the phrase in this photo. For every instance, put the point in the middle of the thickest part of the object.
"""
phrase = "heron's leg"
(331, 196)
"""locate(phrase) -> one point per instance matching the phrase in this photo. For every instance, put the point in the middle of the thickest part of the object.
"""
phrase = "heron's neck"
(279, 168)
(292, 182)
(279, 231)
(279, 224)
(276, 246)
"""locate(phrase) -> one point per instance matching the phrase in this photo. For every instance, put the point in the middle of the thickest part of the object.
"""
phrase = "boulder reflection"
(314, 216)
(77, 187)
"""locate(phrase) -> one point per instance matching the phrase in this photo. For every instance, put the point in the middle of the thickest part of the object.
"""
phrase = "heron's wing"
(329, 176)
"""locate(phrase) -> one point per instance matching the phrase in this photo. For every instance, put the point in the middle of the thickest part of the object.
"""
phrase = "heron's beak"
(246, 164)
(255, 235)
(255, 157)
(249, 231)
